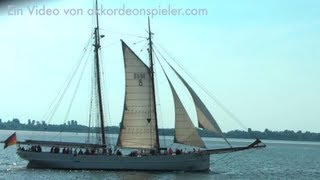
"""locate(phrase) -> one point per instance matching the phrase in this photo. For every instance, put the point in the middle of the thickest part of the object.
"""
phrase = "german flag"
(10, 141)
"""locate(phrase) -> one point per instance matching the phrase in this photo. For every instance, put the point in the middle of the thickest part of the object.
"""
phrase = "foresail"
(138, 122)
(185, 131)
(206, 120)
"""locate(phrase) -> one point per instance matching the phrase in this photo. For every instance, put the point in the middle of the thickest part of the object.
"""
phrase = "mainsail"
(185, 131)
(138, 126)
(205, 119)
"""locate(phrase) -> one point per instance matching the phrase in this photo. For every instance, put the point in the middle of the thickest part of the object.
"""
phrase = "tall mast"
(153, 85)
(97, 66)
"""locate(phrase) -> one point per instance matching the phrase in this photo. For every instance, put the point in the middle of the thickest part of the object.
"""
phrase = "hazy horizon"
(260, 59)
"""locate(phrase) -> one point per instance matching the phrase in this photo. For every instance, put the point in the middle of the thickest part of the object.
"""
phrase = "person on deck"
(56, 150)
(39, 148)
(80, 152)
(109, 151)
(75, 152)
(87, 152)
(119, 153)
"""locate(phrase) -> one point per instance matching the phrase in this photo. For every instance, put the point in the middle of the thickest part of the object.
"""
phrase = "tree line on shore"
(73, 126)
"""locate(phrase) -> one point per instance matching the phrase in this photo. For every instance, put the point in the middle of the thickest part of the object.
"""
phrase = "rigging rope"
(139, 42)
(219, 103)
(226, 157)
(91, 104)
(143, 47)
(222, 135)
(57, 100)
(111, 44)
(123, 34)
(73, 97)
(76, 90)
(107, 108)
(159, 102)
(92, 92)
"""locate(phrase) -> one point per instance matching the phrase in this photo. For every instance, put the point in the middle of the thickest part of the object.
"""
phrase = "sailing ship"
(138, 128)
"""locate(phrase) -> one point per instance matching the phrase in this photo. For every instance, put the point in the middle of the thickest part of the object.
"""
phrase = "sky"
(260, 59)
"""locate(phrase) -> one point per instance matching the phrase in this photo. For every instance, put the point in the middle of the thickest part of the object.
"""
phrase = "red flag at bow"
(10, 141)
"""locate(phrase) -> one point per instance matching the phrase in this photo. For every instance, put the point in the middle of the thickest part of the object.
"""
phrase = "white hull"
(184, 162)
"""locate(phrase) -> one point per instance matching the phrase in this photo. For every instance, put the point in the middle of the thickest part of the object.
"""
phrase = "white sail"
(185, 131)
(138, 123)
(205, 118)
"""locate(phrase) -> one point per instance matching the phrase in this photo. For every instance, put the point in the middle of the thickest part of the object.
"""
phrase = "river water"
(279, 160)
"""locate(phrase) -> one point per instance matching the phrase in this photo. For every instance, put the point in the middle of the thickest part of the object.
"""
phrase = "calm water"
(280, 160)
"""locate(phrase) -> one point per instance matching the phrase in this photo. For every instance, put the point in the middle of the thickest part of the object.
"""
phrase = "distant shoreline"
(73, 126)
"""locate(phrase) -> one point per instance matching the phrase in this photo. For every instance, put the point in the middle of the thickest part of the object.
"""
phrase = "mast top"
(97, 15)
